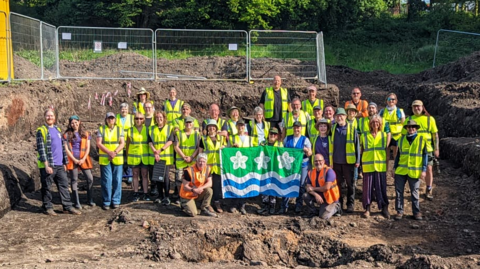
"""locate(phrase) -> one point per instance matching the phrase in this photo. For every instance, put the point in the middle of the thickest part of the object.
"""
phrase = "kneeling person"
(197, 185)
(321, 187)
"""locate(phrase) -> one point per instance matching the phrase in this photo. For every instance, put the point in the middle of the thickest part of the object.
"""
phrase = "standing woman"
(259, 127)
(78, 150)
(142, 98)
(374, 162)
(138, 155)
(160, 140)
(110, 142)
(395, 118)
(322, 143)
(211, 145)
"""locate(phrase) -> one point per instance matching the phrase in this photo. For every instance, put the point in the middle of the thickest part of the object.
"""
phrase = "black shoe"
(115, 206)
(349, 209)
(298, 210)
(282, 211)
(154, 191)
(263, 210)
(105, 207)
(146, 197)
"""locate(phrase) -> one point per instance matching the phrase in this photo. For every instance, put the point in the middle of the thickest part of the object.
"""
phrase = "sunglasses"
(355, 93)
(391, 99)
(138, 118)
(318, 161)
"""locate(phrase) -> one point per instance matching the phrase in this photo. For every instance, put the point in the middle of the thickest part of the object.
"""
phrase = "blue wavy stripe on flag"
(251, 190)
(261, 183)
(271, 174)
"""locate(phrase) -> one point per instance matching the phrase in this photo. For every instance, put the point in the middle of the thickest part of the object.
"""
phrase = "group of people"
(340, 146)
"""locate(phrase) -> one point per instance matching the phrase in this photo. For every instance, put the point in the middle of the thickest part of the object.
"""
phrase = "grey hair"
(202, 155)
(122, 105)
(257, 110)
(295, 99)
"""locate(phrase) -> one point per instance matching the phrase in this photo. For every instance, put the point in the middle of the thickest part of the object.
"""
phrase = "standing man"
(311, 126)
(361, 105)
(297, 115)
(312, 101)
(110, 141)
(275, 101)
(172, 106)
(364, 123)
(214, 114)
(52, 161)
(179, 123)
(346, 155)
(298, 141)
(428, 129)
(321, 188)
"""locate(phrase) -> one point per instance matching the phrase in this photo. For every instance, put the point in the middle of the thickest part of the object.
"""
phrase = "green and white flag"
(249, 172)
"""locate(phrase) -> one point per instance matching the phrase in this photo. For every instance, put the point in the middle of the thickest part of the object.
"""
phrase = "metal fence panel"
(452, 45)
(283, 53)
(4, 52)
(105, 53)
(322, 70)
(26, 46)
(49, 51)
(201, 54)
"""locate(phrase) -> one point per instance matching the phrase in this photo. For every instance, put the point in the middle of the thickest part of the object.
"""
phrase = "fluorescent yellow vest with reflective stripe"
(363, 127)
(138, 147)
(374, 157)
(311, 130)
(139, 107)
(395, 123)
(245, 144)
(188, 145)
(350, 145)
(308, 108)
(411, 156)
(159, 139)
(302, 118)
(213, 152)
(425, 123)
(180, 123)
(111, 140)
(43, 129)
(232, 127)
(128, 122)
(173, 112)
(354, 123)
(270, 99)
(253, 127)
(330, 149)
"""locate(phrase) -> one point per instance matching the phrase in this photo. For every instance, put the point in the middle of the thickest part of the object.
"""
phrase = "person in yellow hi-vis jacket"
(110, 141)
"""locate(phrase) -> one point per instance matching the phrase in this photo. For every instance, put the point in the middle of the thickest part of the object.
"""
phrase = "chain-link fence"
(105, 53)
(4, 51)
(452, 45)
(201, 54)
(283, 53)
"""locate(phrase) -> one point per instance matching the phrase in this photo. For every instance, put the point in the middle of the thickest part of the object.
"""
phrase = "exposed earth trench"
(143, 234)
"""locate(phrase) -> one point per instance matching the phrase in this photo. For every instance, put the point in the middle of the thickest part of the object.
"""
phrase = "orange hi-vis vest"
(83, 149)
(333, 194)
(198, 178)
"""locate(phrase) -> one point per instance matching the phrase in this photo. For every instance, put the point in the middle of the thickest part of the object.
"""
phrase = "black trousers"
(345, 177)
(59, 177)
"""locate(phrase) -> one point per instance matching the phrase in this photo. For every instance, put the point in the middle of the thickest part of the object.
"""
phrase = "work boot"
(136, 197)
(385, 212)
(399, 216)
(272, 209)
(429, 194)
(418, 216)
(218, 207)
(208, 213)
(349, 209)
(50, 212)
(72, 211)
(76, 200)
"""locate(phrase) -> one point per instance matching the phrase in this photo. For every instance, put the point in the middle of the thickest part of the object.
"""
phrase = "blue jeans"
(111, 183)
(414, 184)
(299, 199)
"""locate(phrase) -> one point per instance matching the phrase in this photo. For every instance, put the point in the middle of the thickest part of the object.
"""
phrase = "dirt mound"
(24, 69)
(463, 70)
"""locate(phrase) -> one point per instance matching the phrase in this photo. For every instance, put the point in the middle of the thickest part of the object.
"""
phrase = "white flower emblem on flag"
(239, 161)
(285, 160)
(262, 161)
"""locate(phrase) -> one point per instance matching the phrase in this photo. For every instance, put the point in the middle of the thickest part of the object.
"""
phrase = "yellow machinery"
(5, 41)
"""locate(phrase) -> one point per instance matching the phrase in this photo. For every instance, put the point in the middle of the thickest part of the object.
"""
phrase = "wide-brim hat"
(189, 119)
(323, 121)
(274, 130)
(231, 109)
(143, 91)
(417, 103)
(351, 107)
(412, 123)
(211, 122)
(340, 111)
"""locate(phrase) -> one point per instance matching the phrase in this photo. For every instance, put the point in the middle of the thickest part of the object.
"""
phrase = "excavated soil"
(143, 234)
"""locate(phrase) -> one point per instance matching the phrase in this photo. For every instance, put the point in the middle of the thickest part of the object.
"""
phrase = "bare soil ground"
(143, 234)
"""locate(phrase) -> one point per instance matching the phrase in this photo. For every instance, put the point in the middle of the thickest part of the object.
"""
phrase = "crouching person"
(321, 188)
(197, 186)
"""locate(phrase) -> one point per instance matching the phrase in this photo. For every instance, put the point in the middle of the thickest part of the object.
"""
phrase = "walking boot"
(76, 200)
(385, 212)
(218, 207)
